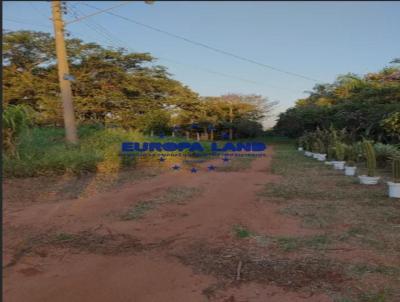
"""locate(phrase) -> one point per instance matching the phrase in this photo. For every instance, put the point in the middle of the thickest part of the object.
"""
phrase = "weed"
(380, 296)
(63, 237)
(241, 231)
(139, 210)
(179, 195)
(361, 269)
(288, 244)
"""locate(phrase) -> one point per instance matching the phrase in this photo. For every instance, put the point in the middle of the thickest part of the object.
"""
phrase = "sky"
(319, 40)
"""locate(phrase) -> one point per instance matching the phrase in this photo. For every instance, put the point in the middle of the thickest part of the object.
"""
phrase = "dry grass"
(179, 195)
(294, 274)
(360, 217)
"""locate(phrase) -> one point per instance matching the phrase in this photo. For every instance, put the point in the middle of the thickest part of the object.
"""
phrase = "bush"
(16, 120)
(384, 153)
(247, 128)
(43, 151)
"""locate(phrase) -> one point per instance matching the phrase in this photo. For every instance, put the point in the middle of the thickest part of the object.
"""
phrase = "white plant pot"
(321, 157)
(339, 165)
(300, 149)
(394, 189)
(350, 171)
(308, 153)
(368, 180)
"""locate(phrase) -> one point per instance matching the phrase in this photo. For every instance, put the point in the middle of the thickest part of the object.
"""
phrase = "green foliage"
(331, 142)
(241, 231)
(116, 88)
(371, 158)
(392, 124)
(16, 120)
(247, 128)
(384, 153)
(396, 170)
(367, 107)
(350, 155)
(321, 146)
(43, 151)
(339, 151)
(157, 122)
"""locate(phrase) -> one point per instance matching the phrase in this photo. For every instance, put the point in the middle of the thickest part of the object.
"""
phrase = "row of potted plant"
(327, 146)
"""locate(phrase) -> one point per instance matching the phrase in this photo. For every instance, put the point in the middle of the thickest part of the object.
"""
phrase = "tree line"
(366, 106)
(116, 88)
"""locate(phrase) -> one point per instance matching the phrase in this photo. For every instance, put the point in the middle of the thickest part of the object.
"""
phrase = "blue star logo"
(225, 159)
(162, 159)
(193, 170)
(176, 167)
(211, 168)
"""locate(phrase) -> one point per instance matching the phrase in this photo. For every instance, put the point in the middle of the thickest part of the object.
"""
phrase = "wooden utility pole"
(63, 74)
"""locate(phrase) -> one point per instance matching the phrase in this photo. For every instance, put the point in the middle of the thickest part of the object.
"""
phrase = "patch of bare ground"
(65, 187)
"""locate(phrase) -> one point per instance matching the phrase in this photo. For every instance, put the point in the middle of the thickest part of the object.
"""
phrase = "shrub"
(384, 153)
(16, 119)
(392, 124)
(43, 151)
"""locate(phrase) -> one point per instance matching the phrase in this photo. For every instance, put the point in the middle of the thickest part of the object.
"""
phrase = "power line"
(39, 11)
(110, 37)
(26, 23)
(207, 46)
(96, 13)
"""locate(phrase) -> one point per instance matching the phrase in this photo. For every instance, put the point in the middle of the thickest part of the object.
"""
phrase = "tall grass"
(43, 151)
(16, 120)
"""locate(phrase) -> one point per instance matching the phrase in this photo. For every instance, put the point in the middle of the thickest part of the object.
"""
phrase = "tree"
(357, 103)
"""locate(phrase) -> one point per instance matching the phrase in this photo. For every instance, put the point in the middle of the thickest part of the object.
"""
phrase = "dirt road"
(173, 237)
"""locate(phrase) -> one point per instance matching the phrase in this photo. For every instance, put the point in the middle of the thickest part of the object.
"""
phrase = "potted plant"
(331, 141)
(307, 148)
(306, 144)
(300, 144)
(339, 151)
(370, 178)
(315, 149)
(394, 187)
(350, 167)
(329, 155)
(321, 155)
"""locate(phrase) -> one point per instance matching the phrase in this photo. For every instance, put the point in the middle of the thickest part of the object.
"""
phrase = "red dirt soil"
(150, 271)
